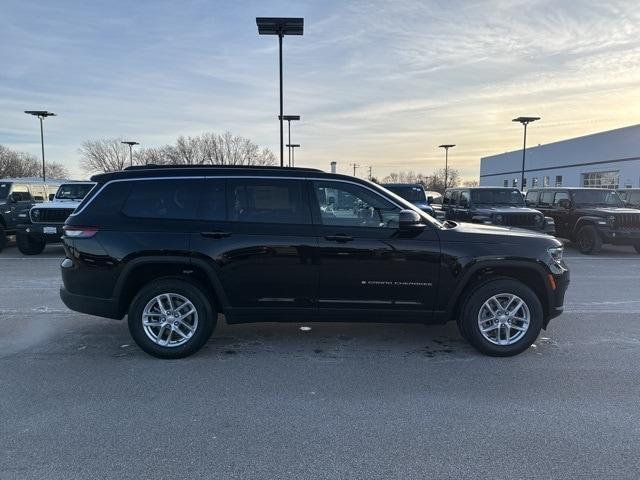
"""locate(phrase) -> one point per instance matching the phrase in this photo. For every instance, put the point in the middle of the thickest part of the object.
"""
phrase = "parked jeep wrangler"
(45, 220)
(17, 196)
(173, 247)
(494, 206)
(589, 217)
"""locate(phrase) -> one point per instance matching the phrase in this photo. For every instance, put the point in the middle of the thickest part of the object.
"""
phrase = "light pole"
(291, 147)
(524, 121)
(41, 114)
(355, 166)
(280, 27)
(131, 144)
(288, 118)
(446, 162)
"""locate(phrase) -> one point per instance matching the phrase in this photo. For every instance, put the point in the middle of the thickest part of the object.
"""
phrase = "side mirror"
(52, 196)
(408, 219)
(564, 203)
(429, 200)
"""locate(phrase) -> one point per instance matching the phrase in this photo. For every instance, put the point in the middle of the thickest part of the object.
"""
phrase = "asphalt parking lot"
(79, 400)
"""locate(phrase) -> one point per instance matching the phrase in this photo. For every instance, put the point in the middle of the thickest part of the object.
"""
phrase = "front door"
(256, 234)
(366, 263)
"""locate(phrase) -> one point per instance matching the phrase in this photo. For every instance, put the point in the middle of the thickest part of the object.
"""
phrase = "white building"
(608, 159)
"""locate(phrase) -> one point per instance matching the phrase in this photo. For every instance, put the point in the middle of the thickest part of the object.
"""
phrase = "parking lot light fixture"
(288, 118)
(291, 147)
(41, 114)
(524, 121)
(131, 144)
(446, 161)
(280, 27)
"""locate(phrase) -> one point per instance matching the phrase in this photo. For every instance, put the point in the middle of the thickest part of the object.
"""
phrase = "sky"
(378, 83)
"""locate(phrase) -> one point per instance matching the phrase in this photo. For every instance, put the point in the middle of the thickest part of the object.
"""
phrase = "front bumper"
(50, 233)
(556, 296)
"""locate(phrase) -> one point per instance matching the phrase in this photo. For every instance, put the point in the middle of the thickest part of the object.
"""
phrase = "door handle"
(216, 234)
(341, 237)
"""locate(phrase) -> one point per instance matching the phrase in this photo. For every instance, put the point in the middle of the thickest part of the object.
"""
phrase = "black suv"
(588, 216)
(494, 206)
(173, 247)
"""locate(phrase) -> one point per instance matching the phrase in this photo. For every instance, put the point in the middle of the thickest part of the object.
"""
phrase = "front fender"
(589, 220)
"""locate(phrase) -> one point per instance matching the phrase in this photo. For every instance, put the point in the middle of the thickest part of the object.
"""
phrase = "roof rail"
(152, 166)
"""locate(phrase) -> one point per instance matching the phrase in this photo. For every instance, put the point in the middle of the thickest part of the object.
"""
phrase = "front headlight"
(539, 219)
(556, 253)
(35, 214)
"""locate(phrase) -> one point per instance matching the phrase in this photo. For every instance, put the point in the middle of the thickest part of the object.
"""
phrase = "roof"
(34, 180)
(157, 171)
(570, 188)
(483, 187)
(402, 185)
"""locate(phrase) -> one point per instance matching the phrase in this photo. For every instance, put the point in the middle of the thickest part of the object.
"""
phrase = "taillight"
(73, 231)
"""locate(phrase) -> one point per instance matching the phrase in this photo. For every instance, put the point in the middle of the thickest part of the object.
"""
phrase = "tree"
(20, 164)
(470, 183)
(109, 155)
(434, 182)
(104, 155)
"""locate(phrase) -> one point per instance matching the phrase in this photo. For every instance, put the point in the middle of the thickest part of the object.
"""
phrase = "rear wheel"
(503, 317)
(29, 245)
(589, 240)
(171, 318)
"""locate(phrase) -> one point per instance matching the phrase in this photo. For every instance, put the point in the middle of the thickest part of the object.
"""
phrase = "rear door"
(257, 235)
(366, 264)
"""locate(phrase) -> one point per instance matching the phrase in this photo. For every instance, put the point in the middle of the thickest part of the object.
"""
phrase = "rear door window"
(546, 199)
(464, 199)
(560, 196)
(213, 202)
(267, 201)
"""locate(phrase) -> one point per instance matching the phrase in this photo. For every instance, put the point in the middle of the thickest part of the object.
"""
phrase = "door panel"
(261, 244)
(365, 263)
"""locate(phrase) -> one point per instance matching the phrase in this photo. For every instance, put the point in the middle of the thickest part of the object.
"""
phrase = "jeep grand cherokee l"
(173, 247)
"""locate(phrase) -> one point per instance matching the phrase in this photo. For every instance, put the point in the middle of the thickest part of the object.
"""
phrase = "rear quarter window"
(163, 199)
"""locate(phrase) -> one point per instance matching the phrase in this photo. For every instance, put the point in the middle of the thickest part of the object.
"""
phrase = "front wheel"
(29, 245)
(503, 317)
(171, 318)
(589, 240)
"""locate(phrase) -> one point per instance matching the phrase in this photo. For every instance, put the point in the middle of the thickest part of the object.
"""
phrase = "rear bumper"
(101, 307)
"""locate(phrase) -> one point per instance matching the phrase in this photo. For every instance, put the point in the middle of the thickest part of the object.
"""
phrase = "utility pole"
(355, 166)
(370, 170)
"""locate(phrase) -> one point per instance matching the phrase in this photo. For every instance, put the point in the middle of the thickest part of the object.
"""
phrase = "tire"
(589, 240)
(3, 238)
(180, 291)
(29, 245)
(508, 343)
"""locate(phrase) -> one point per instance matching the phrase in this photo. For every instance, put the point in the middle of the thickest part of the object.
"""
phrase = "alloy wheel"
(504, 319)
(169, 320)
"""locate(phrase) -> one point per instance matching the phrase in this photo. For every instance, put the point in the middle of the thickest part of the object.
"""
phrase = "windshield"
(492, 197)
(4, 190)
(408, 192)
(604, 198)
(73, 191)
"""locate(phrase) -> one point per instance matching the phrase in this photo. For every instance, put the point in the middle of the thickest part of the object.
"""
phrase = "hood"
(478, 232)
(490, 210)
(69, 204)
(606, 210)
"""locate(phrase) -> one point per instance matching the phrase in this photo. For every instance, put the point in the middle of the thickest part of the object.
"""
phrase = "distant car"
(494, 206)
(45, 220)
(589, 217)
(630, 196)
(416, 194)
(17, 196)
